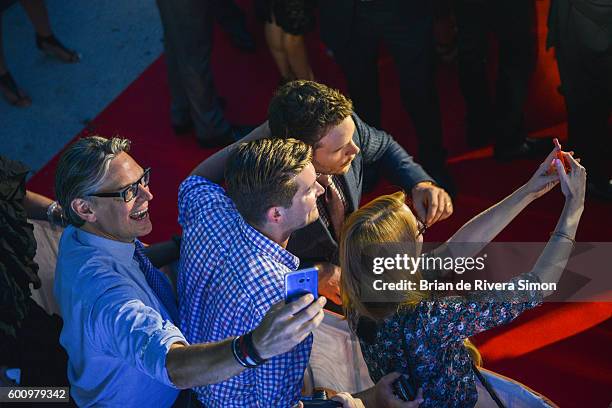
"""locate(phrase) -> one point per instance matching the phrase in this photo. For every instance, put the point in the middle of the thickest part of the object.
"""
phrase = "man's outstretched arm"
(213, 167)
(283, 328)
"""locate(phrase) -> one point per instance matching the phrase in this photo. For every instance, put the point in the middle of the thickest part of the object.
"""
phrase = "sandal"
(12, 93)
(52, 47)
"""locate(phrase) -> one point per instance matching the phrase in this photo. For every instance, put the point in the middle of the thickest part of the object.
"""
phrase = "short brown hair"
(261, 174)
(305, 110)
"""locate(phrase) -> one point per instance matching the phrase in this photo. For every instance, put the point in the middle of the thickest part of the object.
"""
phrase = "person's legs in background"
(285, 23)
(445, 31)
(408, 33)
(297, 56)
(274, 39)
(45, 40)
(9, 89)
(513, 23)
(358, 60)
(472, 22)
(188, 35)
(587, 88)
(289, 53)
(232, 20)
(38, 15)
(180, 111)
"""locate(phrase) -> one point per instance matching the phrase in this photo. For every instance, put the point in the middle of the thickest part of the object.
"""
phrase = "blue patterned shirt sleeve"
(229, 276)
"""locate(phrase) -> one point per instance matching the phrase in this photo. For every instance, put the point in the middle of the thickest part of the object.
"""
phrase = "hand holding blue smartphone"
(301, 282)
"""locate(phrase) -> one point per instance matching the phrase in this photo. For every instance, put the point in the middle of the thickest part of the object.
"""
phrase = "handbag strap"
(487, 386)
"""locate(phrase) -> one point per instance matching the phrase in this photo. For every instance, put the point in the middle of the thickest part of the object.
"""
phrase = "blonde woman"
(423, 334)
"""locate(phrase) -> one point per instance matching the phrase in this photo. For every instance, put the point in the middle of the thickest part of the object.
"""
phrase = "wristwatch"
(55, 215)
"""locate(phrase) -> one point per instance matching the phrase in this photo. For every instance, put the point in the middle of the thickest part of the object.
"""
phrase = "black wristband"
(239, 355)
(252, 352)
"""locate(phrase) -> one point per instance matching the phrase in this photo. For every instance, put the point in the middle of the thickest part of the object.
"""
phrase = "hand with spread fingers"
(287, 325)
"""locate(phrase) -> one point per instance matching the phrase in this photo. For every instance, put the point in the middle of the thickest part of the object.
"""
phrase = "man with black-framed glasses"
(119, 311)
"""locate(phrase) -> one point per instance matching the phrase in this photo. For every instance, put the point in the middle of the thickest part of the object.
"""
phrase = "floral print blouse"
(430, 337)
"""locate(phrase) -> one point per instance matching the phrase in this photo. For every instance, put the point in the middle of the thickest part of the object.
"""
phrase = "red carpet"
(561, 350)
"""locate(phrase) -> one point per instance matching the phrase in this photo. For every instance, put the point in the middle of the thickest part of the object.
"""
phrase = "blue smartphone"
(300, 282)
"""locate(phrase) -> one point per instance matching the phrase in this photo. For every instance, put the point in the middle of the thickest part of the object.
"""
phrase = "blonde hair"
(379, 223)
(376, 227)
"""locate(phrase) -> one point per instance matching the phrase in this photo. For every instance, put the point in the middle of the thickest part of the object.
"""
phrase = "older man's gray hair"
(83, 168)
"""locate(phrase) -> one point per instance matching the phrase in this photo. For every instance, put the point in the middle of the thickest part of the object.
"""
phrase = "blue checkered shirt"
(229, 276)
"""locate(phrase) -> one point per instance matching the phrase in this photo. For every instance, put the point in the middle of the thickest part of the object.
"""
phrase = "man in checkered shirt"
(233, 261)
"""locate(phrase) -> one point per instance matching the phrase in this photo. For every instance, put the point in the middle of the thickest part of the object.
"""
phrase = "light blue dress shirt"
(116, 332)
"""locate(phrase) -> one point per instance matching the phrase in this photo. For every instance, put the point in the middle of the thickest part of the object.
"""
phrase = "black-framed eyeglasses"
(421, 228)
(130, 192)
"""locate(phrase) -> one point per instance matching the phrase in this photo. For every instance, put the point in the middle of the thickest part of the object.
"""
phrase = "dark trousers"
(406, 27)
(511, 21)
(586, 80)
(188, 39)
(229, 16)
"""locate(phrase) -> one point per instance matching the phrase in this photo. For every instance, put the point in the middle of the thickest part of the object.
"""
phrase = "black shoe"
(530, 148)
(54, 48)
(602, 190)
